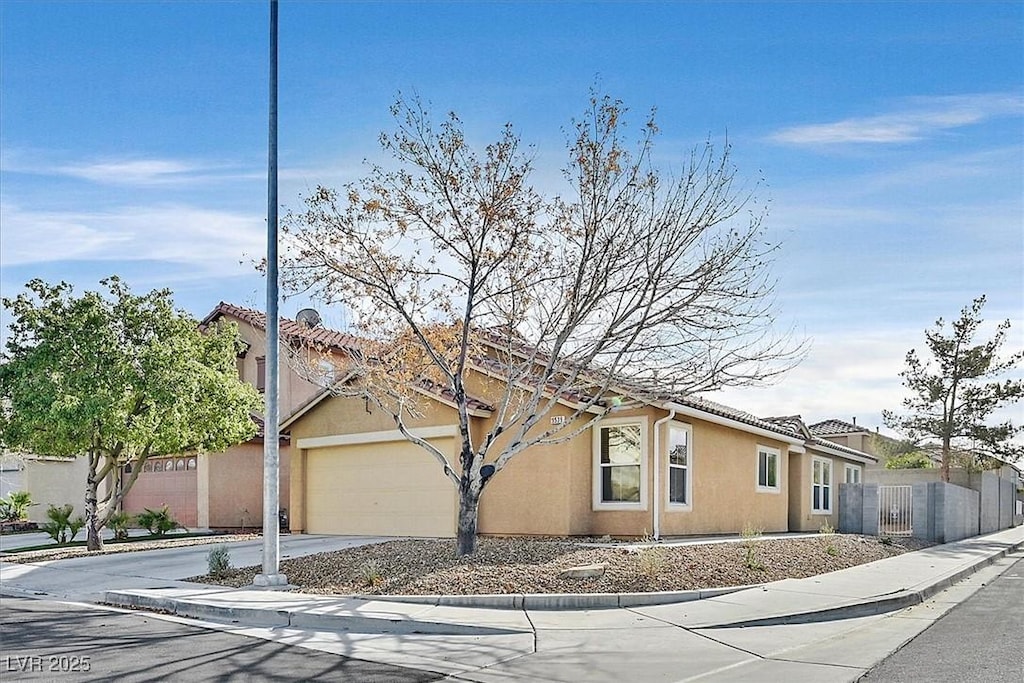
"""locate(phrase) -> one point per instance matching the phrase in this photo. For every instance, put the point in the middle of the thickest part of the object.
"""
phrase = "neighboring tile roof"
(291, 330)
(795, 424)
(834, 427)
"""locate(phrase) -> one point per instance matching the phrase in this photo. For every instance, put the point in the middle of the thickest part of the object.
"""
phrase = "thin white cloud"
(212, 241)
(127, 171)
(920, 118)
(134, 171)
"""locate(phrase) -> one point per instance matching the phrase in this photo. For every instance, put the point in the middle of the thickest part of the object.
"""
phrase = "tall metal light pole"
(271, 575)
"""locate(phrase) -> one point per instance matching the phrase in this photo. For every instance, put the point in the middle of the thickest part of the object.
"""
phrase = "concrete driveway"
(87, 578)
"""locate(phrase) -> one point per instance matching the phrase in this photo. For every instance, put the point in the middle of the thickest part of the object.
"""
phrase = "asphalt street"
(978, 640)
(41, 640)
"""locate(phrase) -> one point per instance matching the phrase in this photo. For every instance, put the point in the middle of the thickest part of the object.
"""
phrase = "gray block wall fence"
(942, 512)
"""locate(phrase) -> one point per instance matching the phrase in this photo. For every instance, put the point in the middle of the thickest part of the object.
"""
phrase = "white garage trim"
(376, 437)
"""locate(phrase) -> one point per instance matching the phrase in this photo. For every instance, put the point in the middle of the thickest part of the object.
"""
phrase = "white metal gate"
(895, 511)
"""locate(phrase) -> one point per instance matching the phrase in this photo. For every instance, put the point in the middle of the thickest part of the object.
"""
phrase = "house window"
(821, 485)
(261, 374)
(768, 469)
(679, 463)
(619, 467)
(851, 474)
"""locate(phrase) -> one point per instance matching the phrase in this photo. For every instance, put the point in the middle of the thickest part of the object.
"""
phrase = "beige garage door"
(390, 489)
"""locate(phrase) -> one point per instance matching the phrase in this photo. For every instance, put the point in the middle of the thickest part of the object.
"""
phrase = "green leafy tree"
(117, 378)
(901, 454)
(957, 390)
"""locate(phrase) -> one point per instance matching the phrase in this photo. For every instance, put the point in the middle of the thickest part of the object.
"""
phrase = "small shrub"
(370, 574)
(74, 526)
(650, 558)
(885, 540)
(61, 527)
(158, 522)
(119, 523)
(218, 561)
(827, 532)
(14, 508)
(751, 533)
(652, 562)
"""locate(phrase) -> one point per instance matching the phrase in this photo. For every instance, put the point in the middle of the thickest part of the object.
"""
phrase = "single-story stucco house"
(666, 467)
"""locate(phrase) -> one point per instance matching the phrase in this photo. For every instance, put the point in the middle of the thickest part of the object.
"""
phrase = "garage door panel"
(392, 488)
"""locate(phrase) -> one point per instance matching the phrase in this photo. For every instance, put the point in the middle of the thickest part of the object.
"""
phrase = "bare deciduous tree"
(633, 285)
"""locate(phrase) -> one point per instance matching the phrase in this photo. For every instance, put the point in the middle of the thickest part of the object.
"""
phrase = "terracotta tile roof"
(291, 331)
(722, 410)
(796, 425)
(447, 394)
(833, 427)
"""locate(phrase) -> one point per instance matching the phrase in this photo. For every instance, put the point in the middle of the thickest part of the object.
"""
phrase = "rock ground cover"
(531, 565)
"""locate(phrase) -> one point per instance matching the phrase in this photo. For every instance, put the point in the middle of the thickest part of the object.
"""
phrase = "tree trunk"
(469, 507)
(92, 518)
(945, 460)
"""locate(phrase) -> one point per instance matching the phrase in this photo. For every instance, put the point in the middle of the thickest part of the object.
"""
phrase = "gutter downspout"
(656, 498)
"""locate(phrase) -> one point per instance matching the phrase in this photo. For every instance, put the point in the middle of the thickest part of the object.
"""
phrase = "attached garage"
(383, 487)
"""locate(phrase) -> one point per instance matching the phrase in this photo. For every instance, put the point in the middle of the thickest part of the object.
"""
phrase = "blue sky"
(889, 135)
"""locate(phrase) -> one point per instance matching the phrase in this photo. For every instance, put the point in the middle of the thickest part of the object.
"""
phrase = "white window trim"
(688, 505)
(598, 504)
(827, 509)
(778, 470)
(847, 467)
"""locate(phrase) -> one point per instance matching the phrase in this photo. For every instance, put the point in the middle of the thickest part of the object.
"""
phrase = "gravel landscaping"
(532, 565)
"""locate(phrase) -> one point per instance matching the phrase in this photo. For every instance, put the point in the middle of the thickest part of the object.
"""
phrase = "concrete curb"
(560, 601)
(877, 605)
(271, 618)
(194, 607)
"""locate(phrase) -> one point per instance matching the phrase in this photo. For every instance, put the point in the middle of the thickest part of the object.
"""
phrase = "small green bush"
(751, 533)
(218, 561)
(370, 574)
(828, 533)
(62, 528)
(119, 523)
(157, 522)
(14, 508)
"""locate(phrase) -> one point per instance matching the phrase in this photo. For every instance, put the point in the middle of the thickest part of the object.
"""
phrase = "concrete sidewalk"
(832, 627)
(874, 588)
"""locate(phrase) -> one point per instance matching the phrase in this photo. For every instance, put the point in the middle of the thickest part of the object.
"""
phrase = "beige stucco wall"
(549, 489)
(234, 485)
(725, 495)
(53, 481)
(802, 516)
(293, 390)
